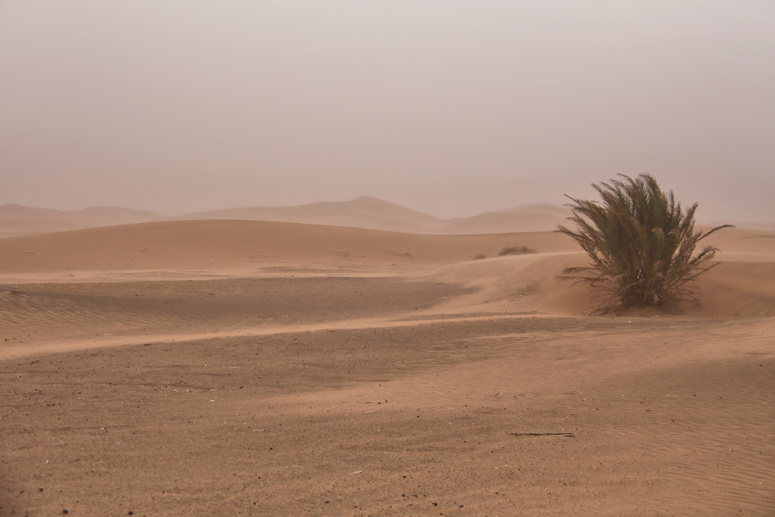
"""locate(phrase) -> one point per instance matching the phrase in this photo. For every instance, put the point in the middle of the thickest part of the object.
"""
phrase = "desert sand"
(232, 367)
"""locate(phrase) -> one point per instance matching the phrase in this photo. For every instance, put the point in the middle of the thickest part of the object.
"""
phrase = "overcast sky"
(450, 107)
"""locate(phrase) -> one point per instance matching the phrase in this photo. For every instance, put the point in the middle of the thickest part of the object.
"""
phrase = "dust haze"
(453, 108)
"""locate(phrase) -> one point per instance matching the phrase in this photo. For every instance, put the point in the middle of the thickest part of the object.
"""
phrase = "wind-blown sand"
(264, 368)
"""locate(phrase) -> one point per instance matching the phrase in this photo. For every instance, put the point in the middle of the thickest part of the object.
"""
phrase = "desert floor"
(244, 368)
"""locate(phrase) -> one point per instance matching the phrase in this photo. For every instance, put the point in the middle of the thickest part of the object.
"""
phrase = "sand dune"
(376, 214)
(365, 212)
(222, 366)
(528, 283)
(530, 218)
(23, 220)
(220, 245)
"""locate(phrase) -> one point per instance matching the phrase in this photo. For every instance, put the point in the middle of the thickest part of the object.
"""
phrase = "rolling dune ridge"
(365, 213)
(255, 368)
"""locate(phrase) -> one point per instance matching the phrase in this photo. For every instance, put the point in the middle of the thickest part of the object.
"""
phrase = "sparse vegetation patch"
(640, 241)
(515, 250)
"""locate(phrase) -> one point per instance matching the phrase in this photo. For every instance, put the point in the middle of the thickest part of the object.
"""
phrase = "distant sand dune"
(24, 220)
(530, 218)
(214, 245)
(365, 212)
(376, 214)
(741, 286)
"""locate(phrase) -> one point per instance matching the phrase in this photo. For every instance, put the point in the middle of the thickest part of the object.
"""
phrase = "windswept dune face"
(220, 246)
(266, 368)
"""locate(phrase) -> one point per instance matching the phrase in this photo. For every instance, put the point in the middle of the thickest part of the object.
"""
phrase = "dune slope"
(223, 244)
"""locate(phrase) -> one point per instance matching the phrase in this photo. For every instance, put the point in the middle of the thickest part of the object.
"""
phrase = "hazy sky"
(450, 107)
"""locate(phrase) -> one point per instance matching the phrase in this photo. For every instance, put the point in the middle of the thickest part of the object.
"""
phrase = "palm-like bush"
(640, 241)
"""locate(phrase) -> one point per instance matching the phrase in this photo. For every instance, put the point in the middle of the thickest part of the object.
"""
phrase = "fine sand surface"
(225, 367)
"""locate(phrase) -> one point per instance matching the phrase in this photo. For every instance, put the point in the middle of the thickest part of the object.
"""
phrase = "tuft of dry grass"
(515, 250)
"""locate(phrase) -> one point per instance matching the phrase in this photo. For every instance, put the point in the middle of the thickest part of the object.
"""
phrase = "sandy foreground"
(248, 368)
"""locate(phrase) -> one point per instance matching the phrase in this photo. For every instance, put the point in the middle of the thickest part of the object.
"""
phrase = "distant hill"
(366, 212)
(529, 218)
(376, 214)
(24, 220)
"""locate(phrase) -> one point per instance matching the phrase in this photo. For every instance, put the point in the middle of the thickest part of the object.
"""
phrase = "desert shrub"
(480, 256)
(640, 241)
(515, 250)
